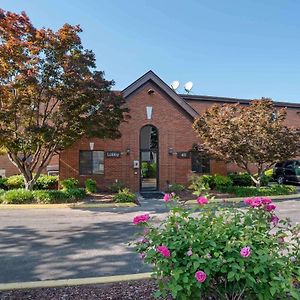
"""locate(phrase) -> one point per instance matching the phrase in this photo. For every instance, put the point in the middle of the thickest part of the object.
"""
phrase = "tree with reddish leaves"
(246, 135)
(50, 94)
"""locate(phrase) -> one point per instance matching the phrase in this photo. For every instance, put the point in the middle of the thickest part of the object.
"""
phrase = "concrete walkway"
(38, 244)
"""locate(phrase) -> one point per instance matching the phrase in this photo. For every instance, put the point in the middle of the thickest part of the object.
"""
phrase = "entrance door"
(149, 158)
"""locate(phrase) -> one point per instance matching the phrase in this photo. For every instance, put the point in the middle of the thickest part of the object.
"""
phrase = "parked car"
(287, 171)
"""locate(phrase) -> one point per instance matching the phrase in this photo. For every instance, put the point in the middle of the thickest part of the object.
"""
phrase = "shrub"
(69, 183)
(199, 184)
(75, 194)
(15, 182)
(241, 179)
(3, 185)
(50, 196)
(208, 180)
(124, 196)
(248, 191)
(2, 192)
(221, 252)
(117, 186)
(222, 181)
(46, 182)
(90, 186)
(18, 196)
(175, 187)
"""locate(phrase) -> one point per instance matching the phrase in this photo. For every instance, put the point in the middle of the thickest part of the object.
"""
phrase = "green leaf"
(230, 275)
(295, 294)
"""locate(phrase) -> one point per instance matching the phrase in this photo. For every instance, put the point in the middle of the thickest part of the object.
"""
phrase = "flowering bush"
(222, 252)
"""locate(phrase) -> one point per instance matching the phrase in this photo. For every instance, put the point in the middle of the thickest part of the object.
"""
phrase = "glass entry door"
(148, 170)
(149, 158)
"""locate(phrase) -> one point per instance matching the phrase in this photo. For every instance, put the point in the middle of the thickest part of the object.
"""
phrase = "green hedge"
(90, 186)
(21, 196)
(175, 187)
(249, 191)
(44, 182)
(124, 196)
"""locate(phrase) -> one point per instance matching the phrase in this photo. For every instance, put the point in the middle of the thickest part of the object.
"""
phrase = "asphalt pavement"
(40, 244)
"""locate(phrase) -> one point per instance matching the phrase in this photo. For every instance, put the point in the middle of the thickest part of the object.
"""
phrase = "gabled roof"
(150, 76)
(188, 97)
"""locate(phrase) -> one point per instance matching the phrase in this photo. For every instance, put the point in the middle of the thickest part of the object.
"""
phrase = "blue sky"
(245, 49)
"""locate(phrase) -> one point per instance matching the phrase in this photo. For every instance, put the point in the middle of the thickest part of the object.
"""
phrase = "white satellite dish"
(188, 86)
(174, 85)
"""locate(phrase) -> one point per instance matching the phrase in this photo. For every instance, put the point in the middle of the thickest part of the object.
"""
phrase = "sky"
(243, 48)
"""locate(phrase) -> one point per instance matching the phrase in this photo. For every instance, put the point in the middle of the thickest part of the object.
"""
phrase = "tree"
(246, 135)
(50, 94)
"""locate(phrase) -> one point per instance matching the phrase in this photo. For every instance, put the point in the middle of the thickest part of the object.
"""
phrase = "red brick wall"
(175, 131)
(10, 169)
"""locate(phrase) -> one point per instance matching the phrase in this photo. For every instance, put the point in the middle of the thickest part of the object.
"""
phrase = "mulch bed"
(128, 290)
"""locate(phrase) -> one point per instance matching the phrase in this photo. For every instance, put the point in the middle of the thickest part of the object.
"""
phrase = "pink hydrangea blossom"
(270, 207)
(167, 197)
(141, 219)
(164, 251)
(274, 220)
(245, 251)
(202, 200)
(190, 252)
(200, 276)
(266, 200)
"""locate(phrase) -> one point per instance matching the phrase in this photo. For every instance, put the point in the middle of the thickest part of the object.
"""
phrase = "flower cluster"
(164, 251)
(141, 219)
(202, 200)
(258, 201)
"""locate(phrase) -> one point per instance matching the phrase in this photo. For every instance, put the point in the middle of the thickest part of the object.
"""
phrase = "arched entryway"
(149, 149)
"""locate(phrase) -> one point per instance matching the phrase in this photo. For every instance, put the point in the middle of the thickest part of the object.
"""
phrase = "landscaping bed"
(127, 290)
(130, 290)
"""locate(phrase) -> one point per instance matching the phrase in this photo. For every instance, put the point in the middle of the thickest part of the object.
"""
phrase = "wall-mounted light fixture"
(128, 151)
(92, 146)
(170, 151)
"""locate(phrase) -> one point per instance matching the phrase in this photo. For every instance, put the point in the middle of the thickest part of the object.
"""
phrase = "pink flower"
(245, 251)
(248, 201)
(142, 255)
(190, 252)
(256, 202)
(141, 219)
(173, 194)
(270, 207)
(202, 200)
(281, 240)
(266, 200)
(200, 276)
(167, 197)
(274, 220)
(164, 251)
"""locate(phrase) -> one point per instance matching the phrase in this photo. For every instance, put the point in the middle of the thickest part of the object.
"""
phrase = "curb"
(72, 282)
(63, 205)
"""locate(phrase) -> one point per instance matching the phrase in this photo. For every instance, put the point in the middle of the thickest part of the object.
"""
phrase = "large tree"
(50, 94)
(254, 134)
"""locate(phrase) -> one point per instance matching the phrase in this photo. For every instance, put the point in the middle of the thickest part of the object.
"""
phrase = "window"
(91, 162)
(200, 163)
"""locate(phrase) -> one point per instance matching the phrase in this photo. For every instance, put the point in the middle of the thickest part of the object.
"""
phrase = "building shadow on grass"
(96, 250)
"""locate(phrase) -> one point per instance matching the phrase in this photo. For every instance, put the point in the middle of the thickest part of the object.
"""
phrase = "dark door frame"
(157, 158)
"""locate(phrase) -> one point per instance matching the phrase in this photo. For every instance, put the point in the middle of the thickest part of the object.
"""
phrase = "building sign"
(183, 154)
(113, 154)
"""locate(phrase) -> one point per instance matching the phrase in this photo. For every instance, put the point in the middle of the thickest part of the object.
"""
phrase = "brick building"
(154, 149)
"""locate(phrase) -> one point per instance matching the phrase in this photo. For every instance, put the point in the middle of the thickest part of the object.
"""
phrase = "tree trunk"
(29, 184)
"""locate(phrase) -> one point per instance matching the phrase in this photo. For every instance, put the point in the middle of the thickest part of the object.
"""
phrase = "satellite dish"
(175, 85)
(188, 86)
